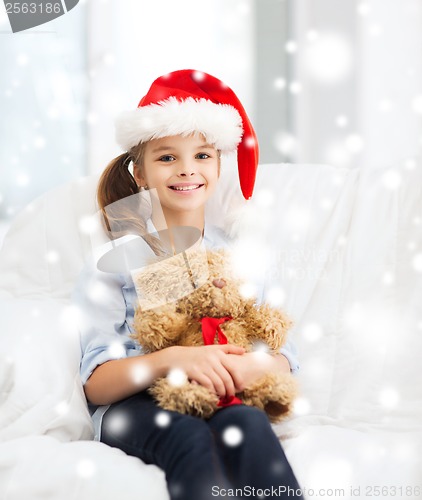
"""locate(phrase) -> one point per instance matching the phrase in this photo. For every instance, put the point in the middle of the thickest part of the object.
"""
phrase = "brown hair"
(116, 183)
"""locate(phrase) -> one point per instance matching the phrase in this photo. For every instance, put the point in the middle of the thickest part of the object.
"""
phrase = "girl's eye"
(167, 158)
(202, 156)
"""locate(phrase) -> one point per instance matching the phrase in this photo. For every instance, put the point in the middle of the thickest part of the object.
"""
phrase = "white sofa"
(341, 250)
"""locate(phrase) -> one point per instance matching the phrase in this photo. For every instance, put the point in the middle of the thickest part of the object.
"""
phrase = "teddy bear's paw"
(274, 394)
(189, 399)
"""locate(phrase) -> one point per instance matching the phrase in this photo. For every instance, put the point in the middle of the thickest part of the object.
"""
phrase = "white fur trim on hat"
(221, 124)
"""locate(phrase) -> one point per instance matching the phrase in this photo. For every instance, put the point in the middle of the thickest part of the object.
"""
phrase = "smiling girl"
(173, 141)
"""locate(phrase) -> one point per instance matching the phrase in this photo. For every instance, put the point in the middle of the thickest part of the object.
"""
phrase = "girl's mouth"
(183, 188)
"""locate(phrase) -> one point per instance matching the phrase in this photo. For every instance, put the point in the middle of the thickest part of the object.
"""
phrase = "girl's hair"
(116, 183)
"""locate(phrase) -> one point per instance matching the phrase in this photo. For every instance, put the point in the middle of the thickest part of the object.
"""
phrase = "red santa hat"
(188, 101)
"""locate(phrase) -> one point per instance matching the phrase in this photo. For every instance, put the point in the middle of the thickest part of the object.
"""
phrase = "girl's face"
(183, 170)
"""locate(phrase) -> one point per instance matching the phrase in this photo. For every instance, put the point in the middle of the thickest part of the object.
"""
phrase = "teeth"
(185, 188)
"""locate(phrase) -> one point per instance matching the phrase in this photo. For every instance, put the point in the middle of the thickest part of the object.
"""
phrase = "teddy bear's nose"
(219, 283)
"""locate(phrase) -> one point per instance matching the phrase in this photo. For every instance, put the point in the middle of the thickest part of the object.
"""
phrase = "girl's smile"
(186, 187)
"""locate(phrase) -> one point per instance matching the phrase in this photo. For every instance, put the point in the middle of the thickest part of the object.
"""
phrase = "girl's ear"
(137, 175)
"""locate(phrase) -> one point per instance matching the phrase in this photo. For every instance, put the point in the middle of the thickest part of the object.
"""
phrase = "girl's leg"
(257, 460)
(181, 445)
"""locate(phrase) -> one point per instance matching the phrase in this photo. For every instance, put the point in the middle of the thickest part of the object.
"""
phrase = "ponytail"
(116, 182)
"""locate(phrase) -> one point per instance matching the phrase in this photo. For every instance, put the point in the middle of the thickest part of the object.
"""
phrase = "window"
(43, 108)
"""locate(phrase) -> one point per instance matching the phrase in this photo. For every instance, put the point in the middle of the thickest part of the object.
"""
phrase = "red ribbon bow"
(210, 330)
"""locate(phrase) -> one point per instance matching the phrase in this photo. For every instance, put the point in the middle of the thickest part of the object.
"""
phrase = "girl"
(173, 141)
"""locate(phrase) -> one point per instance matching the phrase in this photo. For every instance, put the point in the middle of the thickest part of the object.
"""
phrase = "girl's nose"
(186, 169)
(186, 172)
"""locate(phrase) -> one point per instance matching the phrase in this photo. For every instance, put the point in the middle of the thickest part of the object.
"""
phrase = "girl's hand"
(208, 366)
(247, 369)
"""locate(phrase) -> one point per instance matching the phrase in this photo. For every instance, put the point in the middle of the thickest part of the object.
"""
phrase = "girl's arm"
(206, 365)
(111, 366)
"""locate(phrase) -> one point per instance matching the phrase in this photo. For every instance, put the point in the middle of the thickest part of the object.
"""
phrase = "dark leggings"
(235, 448)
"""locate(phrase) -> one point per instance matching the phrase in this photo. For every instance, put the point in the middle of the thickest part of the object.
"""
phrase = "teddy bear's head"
(219, 295)
(200, 283)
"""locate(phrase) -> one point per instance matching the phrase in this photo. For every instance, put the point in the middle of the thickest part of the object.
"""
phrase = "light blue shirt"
(106, 302)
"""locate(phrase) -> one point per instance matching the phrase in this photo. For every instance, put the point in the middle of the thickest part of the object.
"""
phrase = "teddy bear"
(195, 299)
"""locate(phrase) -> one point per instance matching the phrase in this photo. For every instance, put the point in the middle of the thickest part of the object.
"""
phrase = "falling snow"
(312, 332)
(97, 292)
(392, 179)
(232, 436)
(354, 143)
(389, 397)
(39, 142)
(177, 377)
(52, 257)
(89, 224)
(249, 142)
(410, 164)
(285, 143)
(199, 76)
(388, 278)
(23, 179)
(117, 423)
(264, 198)
(247, 290)
(35, 312)
(62, 408)
(386, 105)
(417, 104)
(295, 88)
(280, 83)
(163, 419)
(301, 406)
(329, 58)
(326, 204)
(342, 121)
(375, 30)
(417, 262)
(22, 60)
(275, 296)
(291, 47)
(363, 8)
(260, 347)
(312, 35)
(141, 374)
(116, 350)
(86, 468)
